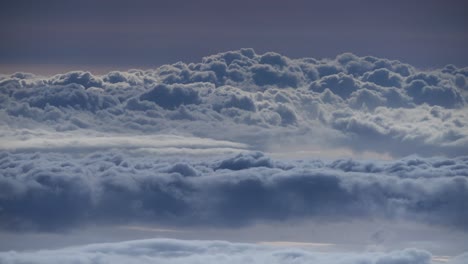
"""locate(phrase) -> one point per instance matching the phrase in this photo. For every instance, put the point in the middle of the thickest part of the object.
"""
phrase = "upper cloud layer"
(362, 103)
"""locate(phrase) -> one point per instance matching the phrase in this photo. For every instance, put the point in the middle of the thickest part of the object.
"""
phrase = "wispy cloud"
(151, 229)
(291, 244)
(73, 141)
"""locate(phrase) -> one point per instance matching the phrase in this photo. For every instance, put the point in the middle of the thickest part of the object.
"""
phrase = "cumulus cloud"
(171, 96)
(56, 191)
(180, 251)
(256, 99)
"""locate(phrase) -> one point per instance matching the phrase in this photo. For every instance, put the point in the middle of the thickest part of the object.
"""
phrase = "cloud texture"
(361, 103)
(209, 144)
(178, 251)
(57, 191)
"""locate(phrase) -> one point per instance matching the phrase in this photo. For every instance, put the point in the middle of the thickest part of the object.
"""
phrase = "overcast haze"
(104, 35)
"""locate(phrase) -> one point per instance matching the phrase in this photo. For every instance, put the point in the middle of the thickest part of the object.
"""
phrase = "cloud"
(197, 251)
(442, 95)
(256, 99)
(245, 161)
(73, 141)
(340, 84)
(171, 97)
(58, 191)
(383, 77)
(171, 145)
(418, 130)
(463, 258)
(184, 146)
(85, 79)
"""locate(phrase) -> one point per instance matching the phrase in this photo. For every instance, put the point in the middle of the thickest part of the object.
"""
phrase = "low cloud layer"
(58, 191)
(179, 251)
(361, 103)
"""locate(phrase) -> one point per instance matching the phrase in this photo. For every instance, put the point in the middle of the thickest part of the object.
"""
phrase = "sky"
(49, 36)
(233, 132)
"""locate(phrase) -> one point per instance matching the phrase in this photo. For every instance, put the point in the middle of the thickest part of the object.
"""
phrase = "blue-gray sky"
(55, 35)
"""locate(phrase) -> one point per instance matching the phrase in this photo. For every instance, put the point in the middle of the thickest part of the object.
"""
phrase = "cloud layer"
(179, 251)
(228, 143)
(361, 103)
(58, 191)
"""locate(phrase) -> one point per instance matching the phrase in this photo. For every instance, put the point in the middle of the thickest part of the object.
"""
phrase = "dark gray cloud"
(171, 97)
(179, 251)
(58, 191)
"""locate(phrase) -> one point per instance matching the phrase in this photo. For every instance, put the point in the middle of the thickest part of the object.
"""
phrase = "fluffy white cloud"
(180, 251)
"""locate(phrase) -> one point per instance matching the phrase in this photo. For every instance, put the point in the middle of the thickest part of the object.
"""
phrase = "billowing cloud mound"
(177, 251)
(59, 191)
(361, 103)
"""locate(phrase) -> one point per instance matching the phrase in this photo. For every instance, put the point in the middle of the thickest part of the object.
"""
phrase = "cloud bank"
(178, 251)
(58, 191)
(361, 103)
